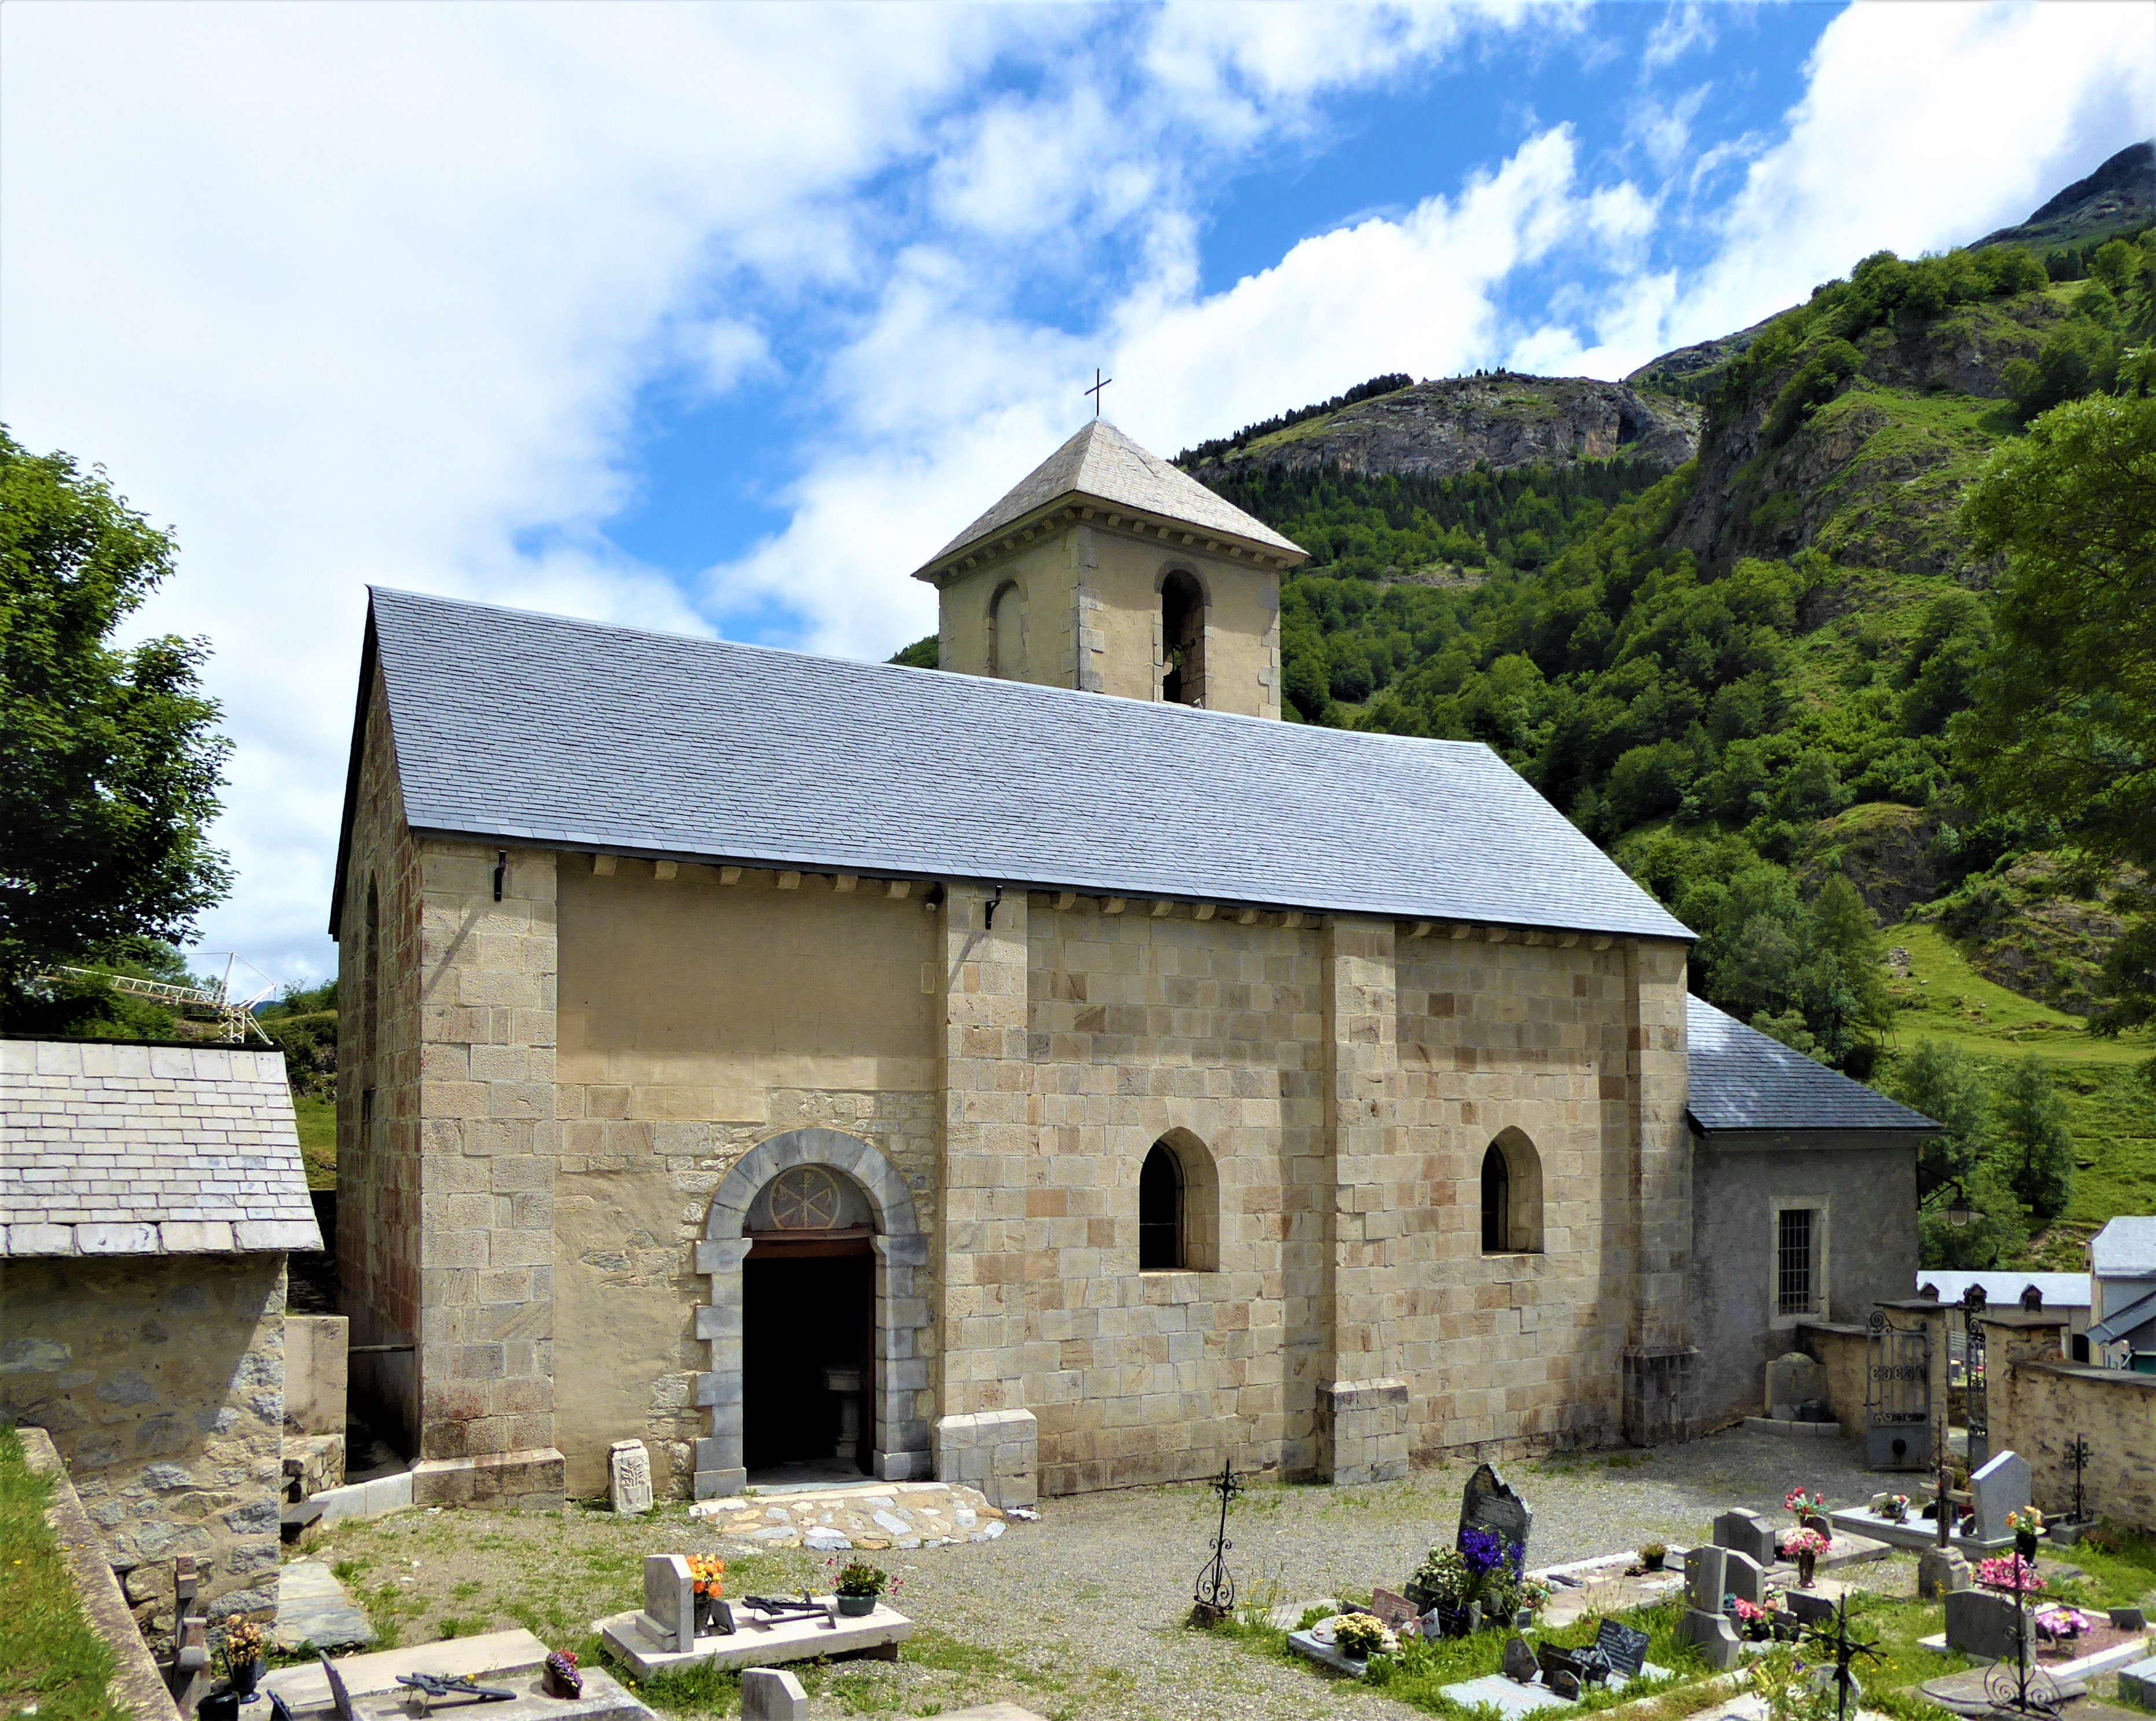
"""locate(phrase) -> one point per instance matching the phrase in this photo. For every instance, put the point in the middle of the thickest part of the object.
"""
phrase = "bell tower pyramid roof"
(1102, 466)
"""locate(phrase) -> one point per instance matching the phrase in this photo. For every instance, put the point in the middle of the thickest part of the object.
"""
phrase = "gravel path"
(1079, 1617)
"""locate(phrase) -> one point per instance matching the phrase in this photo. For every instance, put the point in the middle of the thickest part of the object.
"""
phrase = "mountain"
(1455, 424)
(2119, 197)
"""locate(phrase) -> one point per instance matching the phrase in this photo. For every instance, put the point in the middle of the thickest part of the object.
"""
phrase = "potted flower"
(1443, 1583)
(1533, 1593)
(1360, 1636)
(560, 1677)
(2012, 1574)
(2058, 1624)
(1654, 1555)
(858, 1586)
(243, 1655)
(708, 1574)
(1756, 1622)
(2027, 1524)
(1806, 1547)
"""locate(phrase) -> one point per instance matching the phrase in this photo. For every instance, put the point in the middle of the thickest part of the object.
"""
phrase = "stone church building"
(1054, 1069)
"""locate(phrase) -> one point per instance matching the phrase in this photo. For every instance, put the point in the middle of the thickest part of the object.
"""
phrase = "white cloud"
(1683, 28)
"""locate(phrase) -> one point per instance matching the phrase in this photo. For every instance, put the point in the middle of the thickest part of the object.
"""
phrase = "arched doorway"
(895, 1429)
(1181, 639)
(807, 1329)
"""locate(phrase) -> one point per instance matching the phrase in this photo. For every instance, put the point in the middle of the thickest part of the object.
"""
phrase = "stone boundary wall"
(136, 1682)
(2038, 1406)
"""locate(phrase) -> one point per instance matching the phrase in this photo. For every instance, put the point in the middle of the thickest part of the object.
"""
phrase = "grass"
(317, 1122)
(50, 1659)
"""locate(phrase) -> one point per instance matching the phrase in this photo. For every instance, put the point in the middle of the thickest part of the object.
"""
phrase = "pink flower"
(2010, 1573)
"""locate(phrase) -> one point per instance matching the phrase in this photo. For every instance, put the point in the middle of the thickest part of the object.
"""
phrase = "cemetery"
(1594, 1582)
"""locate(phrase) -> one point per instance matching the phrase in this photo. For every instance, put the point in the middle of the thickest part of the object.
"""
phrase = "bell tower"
(1109, 571)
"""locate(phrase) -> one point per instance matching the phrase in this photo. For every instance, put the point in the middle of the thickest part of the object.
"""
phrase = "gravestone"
(1520, 1663)
(1748, 1534)
(2130, 1619)
(630, 1467)
(1487, 1503)
(1940, 1571)
(1705, 1624)
(1807, 1607)
(773, 1694)
(1981, 1624)
(1743, 1578)
(1623, 1647)
(2001, 1487)
(670, 1602)
(1706, 1570)
(1792, 1381)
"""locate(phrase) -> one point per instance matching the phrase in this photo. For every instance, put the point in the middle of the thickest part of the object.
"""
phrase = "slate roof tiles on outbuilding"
(1741, 1079)
(567, 734)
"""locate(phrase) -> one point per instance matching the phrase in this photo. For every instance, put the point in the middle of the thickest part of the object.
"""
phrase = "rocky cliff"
(1441, 430)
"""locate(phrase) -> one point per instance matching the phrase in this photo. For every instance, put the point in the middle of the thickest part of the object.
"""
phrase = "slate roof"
(534, 728)
(1742, 1079)
(1101, 463)
(113, 1149)
(2125, 1322)
(2002, 1290)
(2125, 1248)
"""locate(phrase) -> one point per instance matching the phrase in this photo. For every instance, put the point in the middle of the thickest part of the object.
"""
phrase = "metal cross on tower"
(1216, 1586)
(1099, 382)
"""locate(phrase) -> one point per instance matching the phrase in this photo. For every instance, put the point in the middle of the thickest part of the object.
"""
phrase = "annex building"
(1055, 1064)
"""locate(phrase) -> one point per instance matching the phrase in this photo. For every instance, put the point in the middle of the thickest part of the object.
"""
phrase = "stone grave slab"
(754, 1644)
(509, 1659)
(1849, 1549)
(1511, 1698)
(1488, 1502)
(2136, 1684)
(1748, 1534)
(773, 1694)
(1289, 1617)
(1320, 1649)
(312, 1607)
(628, 1469)
(1981, 1624)
(2002, 1486)
(1918, 1534)
(990, 1711)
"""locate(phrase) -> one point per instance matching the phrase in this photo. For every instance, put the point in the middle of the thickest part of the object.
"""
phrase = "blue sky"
(720, 319)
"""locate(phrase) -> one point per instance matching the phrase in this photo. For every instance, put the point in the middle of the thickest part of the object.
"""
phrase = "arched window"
(1006, 643)
(1512, 1196)
(1182, 639)
(1160, 1211)
(371, 988)
(1496, 1202)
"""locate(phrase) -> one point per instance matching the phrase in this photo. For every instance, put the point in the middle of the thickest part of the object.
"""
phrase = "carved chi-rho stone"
(630, 1468)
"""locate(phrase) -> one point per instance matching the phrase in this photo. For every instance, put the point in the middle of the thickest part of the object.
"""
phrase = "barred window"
(1795, 1292)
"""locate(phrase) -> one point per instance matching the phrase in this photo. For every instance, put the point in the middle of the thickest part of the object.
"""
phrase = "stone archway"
(901, 1450)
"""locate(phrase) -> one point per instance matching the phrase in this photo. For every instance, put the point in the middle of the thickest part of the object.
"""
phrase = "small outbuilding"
(149, 1195)
(2122, 1275)
(1804, 1203)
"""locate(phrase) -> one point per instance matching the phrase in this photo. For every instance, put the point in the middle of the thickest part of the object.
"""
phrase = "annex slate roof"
(2002, 1290)
(1742, 1079)
(114, 1149)
(568, 734)
(2125, 1248)
(1101, 463)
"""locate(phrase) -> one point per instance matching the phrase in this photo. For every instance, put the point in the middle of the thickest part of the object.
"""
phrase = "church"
(1053, 1071)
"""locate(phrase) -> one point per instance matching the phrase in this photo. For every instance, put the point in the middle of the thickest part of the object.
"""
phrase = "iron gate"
(1898, 1395)
(1974, 1395)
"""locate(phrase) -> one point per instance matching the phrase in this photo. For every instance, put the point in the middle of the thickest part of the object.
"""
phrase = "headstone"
(1706, 1569)
(1743, 1578)
(670, 1602)
(1625, 1648)
(1714, 1636)
(630, 1466)
(1487, 1503)
(773, 1694)
(1941, 1571)
(1565, 1685)
(1520, 1663)
(1791, 1381)
(2130, 1619)
(1392, 1611)
(1819, 1521)
(1807, 1607)
(2001, 1487)
(1981, 1624)
(1748, 1534)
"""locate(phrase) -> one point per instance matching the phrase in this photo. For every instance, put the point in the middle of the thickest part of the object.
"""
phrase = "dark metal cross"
(2078, 1454)
(1844, 1650)
(1216, 1586)
(1099, 383)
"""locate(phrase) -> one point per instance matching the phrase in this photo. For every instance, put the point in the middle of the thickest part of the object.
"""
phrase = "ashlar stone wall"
(160, 1380)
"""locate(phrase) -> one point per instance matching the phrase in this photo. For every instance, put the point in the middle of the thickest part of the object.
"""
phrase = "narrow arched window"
(1182, 639)
(1496, 1202)
(1160, 1211)
(1003, 631)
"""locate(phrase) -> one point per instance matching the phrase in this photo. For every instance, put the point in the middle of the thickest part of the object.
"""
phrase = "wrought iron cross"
(1216, 1584)
(1846, 1650)
(1099, 383)
(2078, 1454)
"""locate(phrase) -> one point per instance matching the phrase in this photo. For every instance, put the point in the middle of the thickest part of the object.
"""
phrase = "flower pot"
(857, 1607)
(1523, 1620)
(1807, 1569)
(1654, 1562)
(2025, 1541)
(219, 1706)
(1473, 1617)
(1759, 1630)
(245, 1678)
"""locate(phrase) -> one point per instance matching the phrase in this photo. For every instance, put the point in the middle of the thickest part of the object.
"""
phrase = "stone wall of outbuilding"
(2039, 1405)
(161, 1380)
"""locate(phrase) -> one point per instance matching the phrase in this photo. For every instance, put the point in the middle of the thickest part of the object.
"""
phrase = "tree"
(109, 764)
(1942, 1082)
(1998, 1231)
(2063, 725)
(2035, 1145)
